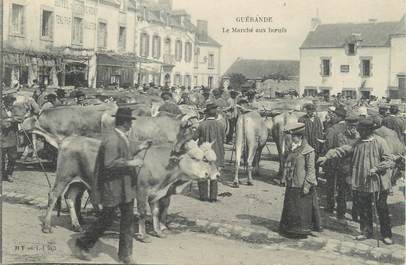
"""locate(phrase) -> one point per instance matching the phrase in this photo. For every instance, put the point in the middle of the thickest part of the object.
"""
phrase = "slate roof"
(210, 42)
(255, 69)
(334, 35)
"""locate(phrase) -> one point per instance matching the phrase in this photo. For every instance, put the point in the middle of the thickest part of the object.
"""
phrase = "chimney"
(167, 4)
(315, 22)
(202, 30)
(372, 20)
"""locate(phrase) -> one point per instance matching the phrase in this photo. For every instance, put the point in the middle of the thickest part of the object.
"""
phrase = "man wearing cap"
(298, 218)
(114, 188)
(331, 167)
(382, 113)
(313, 128)
(212, 131)
(396, 123)
(8, 139)
(168, 104)
(370, 159)
(348, 137)
(80, 97)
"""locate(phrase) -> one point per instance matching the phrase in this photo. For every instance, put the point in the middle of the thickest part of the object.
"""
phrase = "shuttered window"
(122, 37)
(325, 67)
(188, 52)
(211, 61)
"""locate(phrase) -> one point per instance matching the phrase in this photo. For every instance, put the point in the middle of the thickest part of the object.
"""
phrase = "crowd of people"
(357, 163)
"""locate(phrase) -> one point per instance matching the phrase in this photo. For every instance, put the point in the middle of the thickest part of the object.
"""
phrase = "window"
(349, 94)
(102, 35)
(211, 61)
(17, 19)
(47, 24)
(144, 45)
(121, 37)
(178, 80)
(187, 81)
(325, 67)
(310, 92)
(77, 31)
(196, 61)
(123, 5)
(178, 50)
(210, 82)
(195, 80)
(366, 67)
(351, 49)
(188, 52)
(156, 47)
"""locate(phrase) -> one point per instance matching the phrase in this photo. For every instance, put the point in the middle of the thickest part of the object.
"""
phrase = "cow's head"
(197, 162)
(187, 131)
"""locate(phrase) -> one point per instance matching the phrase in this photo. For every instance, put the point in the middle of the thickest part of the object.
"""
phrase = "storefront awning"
(123, 60)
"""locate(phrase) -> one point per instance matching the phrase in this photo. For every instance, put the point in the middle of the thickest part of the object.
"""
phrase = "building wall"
(397, 59)
(202, 72)
(310, 70)
(63, 14)
(180, 67)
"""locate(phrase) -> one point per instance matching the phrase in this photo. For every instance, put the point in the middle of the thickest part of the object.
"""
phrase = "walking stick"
(374, 208)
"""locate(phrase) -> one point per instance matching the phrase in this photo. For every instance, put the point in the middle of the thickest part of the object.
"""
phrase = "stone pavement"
(394, 255)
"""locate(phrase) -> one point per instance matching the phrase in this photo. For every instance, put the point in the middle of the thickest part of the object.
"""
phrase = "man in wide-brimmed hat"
(396, 123)
(212, 131)
(370, 159)
(168, 105)
(114, 188)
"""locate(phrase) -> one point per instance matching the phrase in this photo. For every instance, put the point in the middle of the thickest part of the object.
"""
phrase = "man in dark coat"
(8, 139)
(331, 168)
(115, 189)
(168, 105)
(211, 130)
(313, 128)
(396, 123)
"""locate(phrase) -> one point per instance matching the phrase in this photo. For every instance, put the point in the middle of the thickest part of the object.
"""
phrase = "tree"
(237, 80)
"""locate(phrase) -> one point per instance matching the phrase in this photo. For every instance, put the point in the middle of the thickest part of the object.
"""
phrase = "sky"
(293, 15)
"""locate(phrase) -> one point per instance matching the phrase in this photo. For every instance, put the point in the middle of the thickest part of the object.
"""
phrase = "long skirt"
(296, 220)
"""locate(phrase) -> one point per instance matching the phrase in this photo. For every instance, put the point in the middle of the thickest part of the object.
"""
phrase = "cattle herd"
(173, 160)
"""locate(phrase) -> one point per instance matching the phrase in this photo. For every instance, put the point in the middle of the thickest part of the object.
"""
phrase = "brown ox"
(156, 182)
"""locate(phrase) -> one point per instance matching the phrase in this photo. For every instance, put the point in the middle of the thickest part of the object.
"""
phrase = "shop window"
(178, 80)
(310, 92)
(17, 20)
(178, 50)
(210, 82)
(44, 75)
(47, 24)
(122, 37)
(102, 35)
(187, 82)
(77, 31)
(349, 94)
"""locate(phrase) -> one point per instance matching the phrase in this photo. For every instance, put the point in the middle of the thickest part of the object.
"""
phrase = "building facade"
(58, 42)
(357, 60)
(168, 36)
(98, 43)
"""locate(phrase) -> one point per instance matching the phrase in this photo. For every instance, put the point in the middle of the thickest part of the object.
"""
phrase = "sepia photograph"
(207, 132)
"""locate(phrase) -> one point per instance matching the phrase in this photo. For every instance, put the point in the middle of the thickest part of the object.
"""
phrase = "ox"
(253, 131)
(156, 181)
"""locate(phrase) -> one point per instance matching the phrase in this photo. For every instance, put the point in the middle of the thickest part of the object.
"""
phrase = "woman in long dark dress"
(300, 178)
